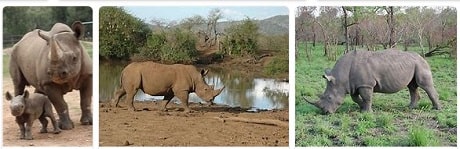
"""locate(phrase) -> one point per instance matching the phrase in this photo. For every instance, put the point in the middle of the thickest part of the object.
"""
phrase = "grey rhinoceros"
(55, 63)
(360, 73)
(27, 108)
(164, 80)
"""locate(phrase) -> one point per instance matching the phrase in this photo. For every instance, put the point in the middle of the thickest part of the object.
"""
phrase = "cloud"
(230, 14)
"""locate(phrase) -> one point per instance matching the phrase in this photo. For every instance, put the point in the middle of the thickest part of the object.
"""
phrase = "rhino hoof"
(57, 131)
(66, 126)
(43, 130)
(86, 121)
(437, 108)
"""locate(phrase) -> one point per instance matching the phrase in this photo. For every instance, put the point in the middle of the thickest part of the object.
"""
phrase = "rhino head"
(18, 103)
(65, 54)
(332, 97)
(205, 91)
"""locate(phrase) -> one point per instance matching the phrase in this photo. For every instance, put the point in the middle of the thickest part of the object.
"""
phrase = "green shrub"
(120, 34)
(241, 39)
(171, 46)
(278, 65)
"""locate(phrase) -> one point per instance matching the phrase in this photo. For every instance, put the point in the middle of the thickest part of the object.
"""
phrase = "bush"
(278, 65)
(171, 46)
(241, 39)
(274, 42)
(120, 34)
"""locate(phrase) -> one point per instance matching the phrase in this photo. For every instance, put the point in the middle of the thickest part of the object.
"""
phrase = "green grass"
(391, 124)
(88, 46)
(421, 136)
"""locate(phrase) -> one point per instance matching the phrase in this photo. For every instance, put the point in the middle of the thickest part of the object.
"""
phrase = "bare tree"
(211, 31)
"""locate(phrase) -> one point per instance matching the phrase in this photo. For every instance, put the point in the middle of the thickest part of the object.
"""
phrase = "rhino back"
(36, 103)
(387, 71)
(29, 56)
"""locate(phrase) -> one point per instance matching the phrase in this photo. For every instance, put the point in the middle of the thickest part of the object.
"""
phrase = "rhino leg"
(57, 99)
(183, 96)
(130, 100)
(118, 94)
(414, 95)
(434, 97)
(168, 99)
(18, 79)
(28, 129)
(425, 81)
(44, 123)
(49, 113)
(85, 102)
(358, 100)
(366, 95)
(22, 130)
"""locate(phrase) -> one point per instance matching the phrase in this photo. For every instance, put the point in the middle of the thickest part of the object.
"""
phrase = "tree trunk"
(345, 27)
(391, 25)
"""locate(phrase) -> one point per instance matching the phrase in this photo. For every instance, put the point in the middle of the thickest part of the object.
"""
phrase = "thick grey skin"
(54, 63)
(164, 80)
(360, 73)
(27, 108)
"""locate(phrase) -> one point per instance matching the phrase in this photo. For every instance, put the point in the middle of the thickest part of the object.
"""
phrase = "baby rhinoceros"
(27, 108)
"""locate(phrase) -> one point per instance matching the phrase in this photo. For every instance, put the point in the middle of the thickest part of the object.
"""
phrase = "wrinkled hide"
(164, 80)
(360, 73)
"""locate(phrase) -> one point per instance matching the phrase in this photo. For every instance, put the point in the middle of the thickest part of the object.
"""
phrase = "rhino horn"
(55, 52)
(44, 36)
(219, 91)
(204, 72)
(313, 103)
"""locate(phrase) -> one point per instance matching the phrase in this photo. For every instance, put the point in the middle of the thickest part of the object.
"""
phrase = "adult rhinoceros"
(54, 63)
(164, 80)
(360, 73)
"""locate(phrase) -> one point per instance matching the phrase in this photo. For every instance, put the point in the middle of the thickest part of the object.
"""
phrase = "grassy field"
(88, 46)
(391, 124)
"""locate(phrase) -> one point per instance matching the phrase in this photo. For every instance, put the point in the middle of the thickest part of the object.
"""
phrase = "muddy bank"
(207, 126)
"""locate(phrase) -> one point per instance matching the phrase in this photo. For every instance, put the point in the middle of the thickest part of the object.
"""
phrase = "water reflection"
(242, 90)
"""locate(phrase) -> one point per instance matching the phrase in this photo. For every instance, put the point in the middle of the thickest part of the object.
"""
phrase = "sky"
(177, 13)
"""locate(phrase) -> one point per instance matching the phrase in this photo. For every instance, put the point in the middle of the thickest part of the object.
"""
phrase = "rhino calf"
(360, 73)
(164, 80)
(27, 108)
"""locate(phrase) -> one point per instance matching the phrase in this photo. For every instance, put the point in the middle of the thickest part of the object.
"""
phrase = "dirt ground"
(207, 126)
(80, 136)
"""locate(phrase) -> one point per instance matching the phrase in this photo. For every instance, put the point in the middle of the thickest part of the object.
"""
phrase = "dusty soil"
(206, 126)
(80, 136)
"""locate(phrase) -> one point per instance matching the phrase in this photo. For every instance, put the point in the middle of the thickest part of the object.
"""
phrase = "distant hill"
(276, 25)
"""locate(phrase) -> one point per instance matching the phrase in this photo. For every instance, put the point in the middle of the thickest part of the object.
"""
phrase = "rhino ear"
(329, 78)
(8, 96)
(79, 29)
(204, 72)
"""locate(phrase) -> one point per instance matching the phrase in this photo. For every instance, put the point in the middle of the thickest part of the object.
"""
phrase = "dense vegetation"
(19, 20)
(125, 37)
